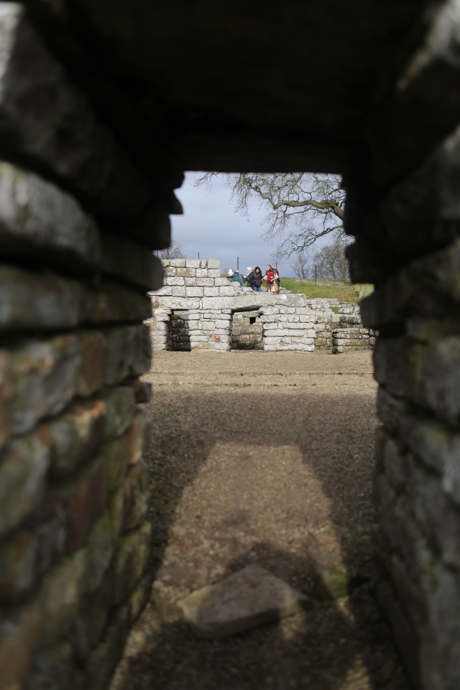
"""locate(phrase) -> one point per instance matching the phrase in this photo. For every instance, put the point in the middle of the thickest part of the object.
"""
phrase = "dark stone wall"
(76, 262)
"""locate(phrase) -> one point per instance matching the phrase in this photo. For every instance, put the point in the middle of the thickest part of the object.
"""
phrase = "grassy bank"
(345, 292)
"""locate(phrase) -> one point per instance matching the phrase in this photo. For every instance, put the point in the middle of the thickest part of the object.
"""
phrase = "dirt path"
(267, 458)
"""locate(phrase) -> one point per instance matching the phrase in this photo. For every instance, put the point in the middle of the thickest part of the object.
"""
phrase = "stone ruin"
(197, 309)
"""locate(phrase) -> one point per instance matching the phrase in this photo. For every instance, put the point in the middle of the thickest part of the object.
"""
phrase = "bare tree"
(175, 251)
(301, 266)
(330, 262)
(303, 206)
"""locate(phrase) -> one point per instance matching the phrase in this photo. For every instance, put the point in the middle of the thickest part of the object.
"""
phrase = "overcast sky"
(212, 227)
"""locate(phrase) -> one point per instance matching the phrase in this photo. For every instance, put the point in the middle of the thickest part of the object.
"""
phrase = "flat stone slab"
(248, 598)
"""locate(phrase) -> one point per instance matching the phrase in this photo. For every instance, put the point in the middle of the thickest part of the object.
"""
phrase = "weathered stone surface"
(136, 495)
(132, 262)
(114, 303)
(27, 553)
(119, 402)
(75, 436)
(103, 660)
(248, 598)
(32, 301)
(23, 469)
(6, 396)
(85, 497)
(103, 541)
(59, 597)
(39, 220)
(45, 379)
(37, 300)
(128, 354)
(131, 560)
(38, 111)
(55, 669)
(93, 352)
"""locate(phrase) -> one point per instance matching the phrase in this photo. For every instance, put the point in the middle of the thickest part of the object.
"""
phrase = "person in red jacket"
(273, 279)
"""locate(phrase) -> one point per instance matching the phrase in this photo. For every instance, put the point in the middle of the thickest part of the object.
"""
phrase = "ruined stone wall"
(76, 264)
(351, 335)
(289, 328)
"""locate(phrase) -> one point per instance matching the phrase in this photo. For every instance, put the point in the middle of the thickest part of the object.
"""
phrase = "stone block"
(136, 495)
(131, 560)
(205, 282)
(211, 292)
(227, 291)
(38, 300)
(194, 292)
(192, 263)
(179, 292)
(130, 261)
(29, 551)
(180, 303)
(165, 291)
(85, 499)
(105, 657)
(6, 397)
(139, 597)
(136, 439)
(128, 353)
(59, 597)
(391, 410)
(201, 273)
(175, 282)
(50, 224)
(75, 436)
(114, 303)
(190, 282)
(248, 598)
(93, 354)
(38, 98)
(103, 541)
(55, 667)
(170, 271)
(203, 263)
(214, 263)
(177, 263)
(214, 273)
(23, 473)
(221, 282)
(186, 272)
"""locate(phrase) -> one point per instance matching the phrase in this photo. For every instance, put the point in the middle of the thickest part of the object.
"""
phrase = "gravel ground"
(262, 457)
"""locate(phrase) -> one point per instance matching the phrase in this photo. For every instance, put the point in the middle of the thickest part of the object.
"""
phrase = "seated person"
(238, 278)
(254, 279)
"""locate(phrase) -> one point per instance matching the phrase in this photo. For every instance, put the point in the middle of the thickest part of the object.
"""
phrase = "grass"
(345, 292)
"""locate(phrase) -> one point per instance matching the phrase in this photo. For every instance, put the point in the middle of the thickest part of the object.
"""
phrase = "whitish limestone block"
(214, 263)
(248, 598)
(192, 263)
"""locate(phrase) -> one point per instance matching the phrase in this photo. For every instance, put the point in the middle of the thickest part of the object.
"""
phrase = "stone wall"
(415, 308)
(281, 322)
(352, 335)
(76, 264)
(289, 328)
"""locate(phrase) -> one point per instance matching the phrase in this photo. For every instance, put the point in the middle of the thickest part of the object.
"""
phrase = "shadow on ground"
(210, 447)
